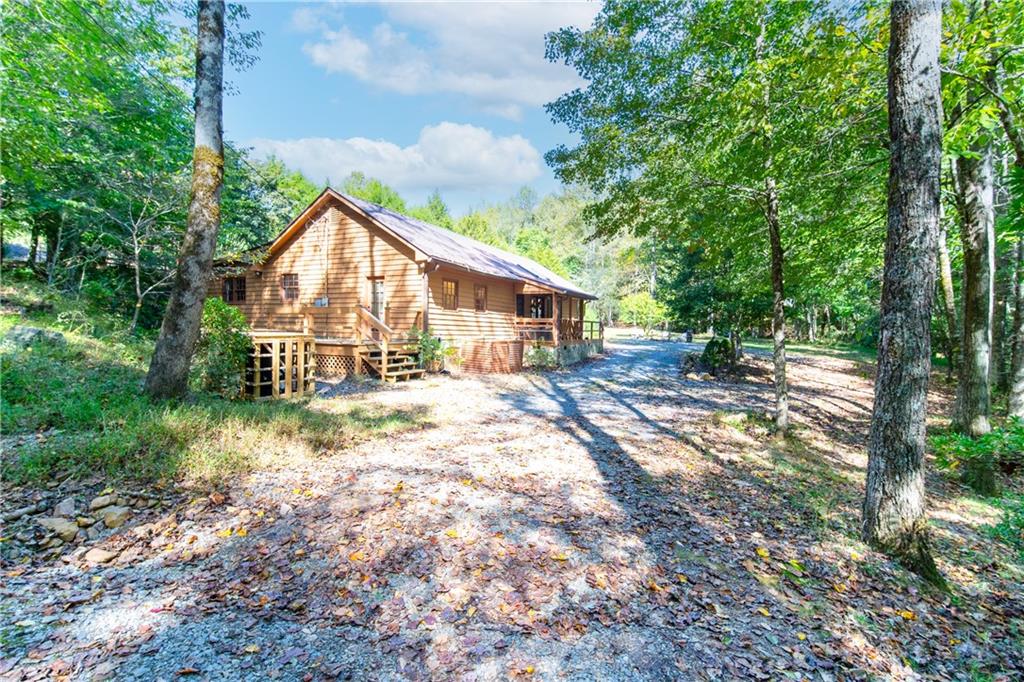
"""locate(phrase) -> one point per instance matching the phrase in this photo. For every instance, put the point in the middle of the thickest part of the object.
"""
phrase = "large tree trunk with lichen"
(168, 371)
(974, 198)
(894, 502)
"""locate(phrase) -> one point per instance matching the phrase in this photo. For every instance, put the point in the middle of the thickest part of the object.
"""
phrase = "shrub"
(223, 349)
(540, 356)
(433, 350)
(717, 354)
(977, 459)
(1011, 528)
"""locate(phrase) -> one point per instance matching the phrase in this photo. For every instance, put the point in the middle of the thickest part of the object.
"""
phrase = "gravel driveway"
(582, 524)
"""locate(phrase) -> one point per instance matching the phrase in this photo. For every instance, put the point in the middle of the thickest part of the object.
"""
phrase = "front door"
(377, 303)
(540, 306)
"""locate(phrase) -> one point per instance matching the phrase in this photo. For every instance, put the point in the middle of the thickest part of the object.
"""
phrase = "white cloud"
(491, 52)
(446, 156)
(310, 18)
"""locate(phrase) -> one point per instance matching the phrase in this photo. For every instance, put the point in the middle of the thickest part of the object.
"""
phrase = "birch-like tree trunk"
(894, 503)
(168, 371)
(948, 303)
(974, 193)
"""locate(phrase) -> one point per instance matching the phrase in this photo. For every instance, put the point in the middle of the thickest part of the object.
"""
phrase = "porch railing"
(535, 328)
(371, 327)
(543, 329)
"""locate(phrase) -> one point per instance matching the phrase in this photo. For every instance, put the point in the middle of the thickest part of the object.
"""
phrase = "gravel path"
(597, 523)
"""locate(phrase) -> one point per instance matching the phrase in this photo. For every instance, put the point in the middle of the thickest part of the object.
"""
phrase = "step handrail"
(375, 322)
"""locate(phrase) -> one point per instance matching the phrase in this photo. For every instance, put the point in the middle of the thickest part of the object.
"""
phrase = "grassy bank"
(77, 409)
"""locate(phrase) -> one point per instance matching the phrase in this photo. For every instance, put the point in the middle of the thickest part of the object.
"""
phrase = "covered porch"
(548, 318)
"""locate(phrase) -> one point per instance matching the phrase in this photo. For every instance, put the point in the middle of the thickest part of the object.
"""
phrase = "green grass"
(846, 351)
(78, 410)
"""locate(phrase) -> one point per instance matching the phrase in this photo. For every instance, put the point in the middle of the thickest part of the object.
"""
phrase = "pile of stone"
(56, 526)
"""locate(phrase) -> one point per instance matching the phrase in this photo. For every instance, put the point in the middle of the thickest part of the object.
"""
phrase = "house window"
(450, 294)
(290, 287)
(234, 289)
(480, 298)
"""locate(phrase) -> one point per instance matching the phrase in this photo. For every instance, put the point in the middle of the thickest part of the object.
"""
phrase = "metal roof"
(459, 250)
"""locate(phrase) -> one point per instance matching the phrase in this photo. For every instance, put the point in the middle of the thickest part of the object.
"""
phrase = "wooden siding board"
(333, 256)
(498, 322)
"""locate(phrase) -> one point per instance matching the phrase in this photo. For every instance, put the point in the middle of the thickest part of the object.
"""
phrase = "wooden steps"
(399, 365)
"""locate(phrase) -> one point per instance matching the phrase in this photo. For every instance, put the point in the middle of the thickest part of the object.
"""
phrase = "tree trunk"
(771, 213)
(778, 308)
(33, 246)
(894, 502)
(974, 193)
(948, 303)
(168, 371)
(997, 371)
(1016, 390)
(52, 259)
(1006, 117)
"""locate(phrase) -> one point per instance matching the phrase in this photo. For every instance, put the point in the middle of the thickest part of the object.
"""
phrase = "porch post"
(426, 299)
(556, 318)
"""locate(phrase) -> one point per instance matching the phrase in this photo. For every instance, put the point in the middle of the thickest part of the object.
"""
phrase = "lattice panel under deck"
(335, 365)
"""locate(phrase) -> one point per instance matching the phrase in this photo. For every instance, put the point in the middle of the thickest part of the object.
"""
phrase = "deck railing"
(535, 328)
(371, 327)
(569, 331)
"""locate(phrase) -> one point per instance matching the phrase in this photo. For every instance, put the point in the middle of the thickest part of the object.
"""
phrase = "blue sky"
(425, 96)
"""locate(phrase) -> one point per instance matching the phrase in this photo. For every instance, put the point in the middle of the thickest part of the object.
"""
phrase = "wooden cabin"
(359, 277)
